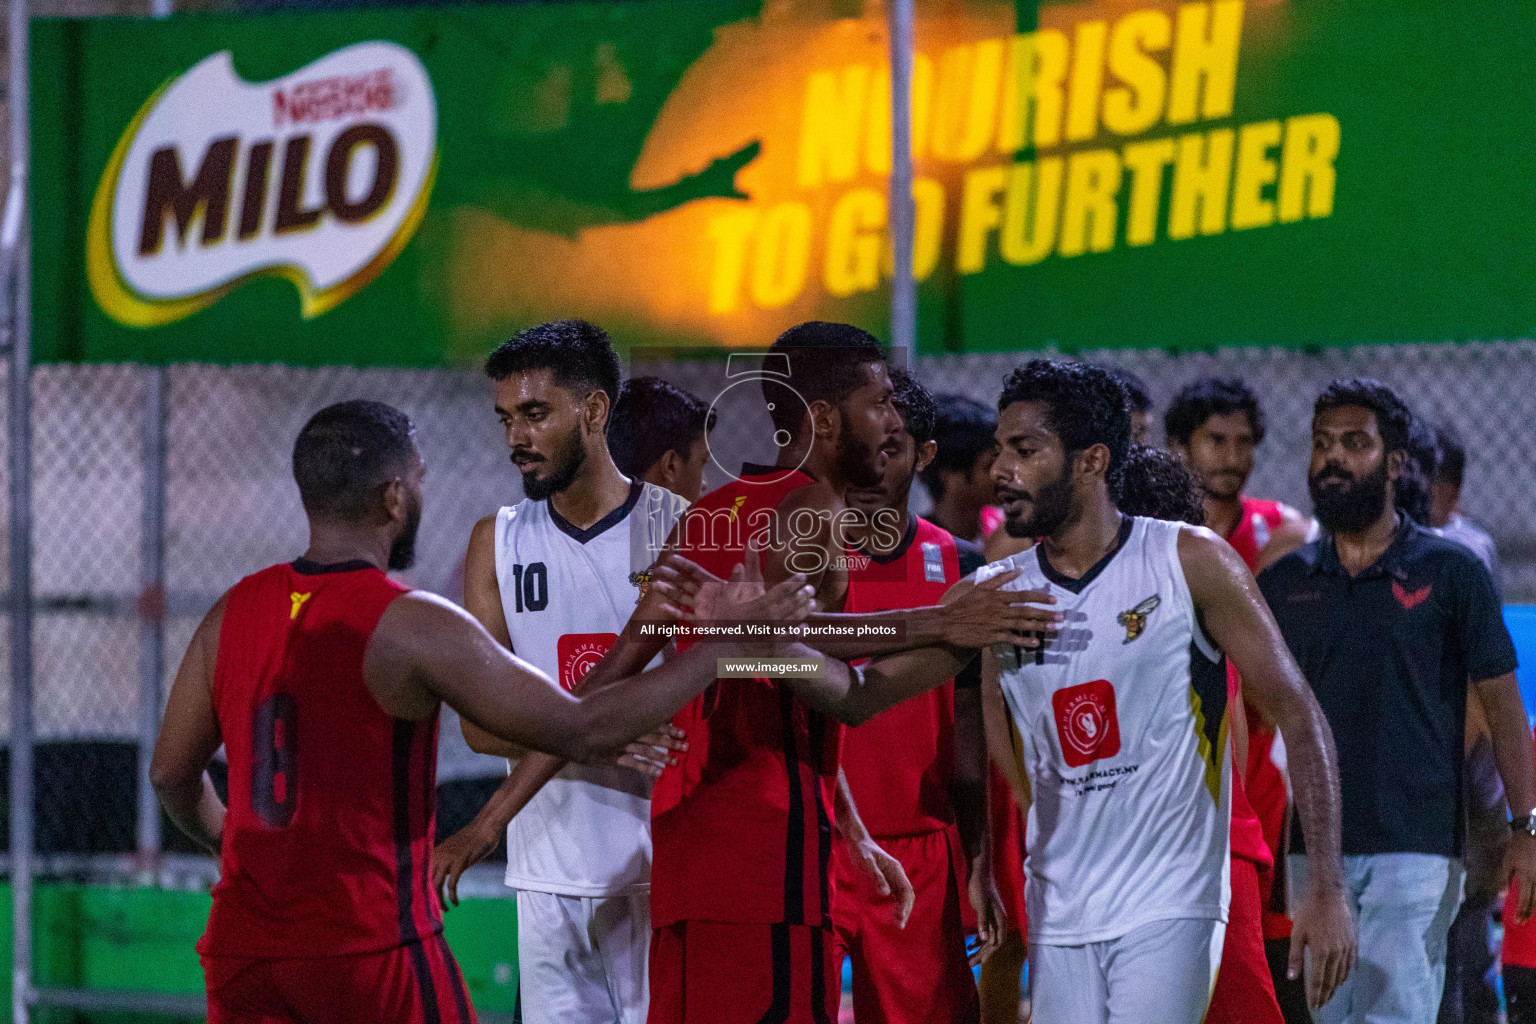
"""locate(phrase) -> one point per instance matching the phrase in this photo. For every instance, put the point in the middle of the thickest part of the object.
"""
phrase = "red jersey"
(328, 838)
(901, 762)
(1262, 778)
(741, 827)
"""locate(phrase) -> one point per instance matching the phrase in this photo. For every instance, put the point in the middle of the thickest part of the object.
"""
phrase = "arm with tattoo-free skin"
(968, 793)
(883, 871)
(1236, 617)
(1512, 750)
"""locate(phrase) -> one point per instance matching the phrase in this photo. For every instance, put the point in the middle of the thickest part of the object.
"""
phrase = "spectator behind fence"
(1389, 623)
(657, 434)
(1445, 500)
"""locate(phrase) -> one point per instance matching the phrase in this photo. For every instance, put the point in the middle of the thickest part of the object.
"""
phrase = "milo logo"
(319, 177)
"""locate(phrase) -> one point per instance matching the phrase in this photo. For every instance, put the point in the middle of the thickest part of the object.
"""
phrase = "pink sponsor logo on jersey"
(579, 654)
(1086, 722)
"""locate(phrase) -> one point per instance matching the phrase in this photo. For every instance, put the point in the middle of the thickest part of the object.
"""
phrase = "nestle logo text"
(329, 99)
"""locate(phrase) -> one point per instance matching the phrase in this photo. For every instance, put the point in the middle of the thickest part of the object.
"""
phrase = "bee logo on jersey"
(579, 654)
(298, 600)
(1086, 722)
(1135, 620)
(642, 579)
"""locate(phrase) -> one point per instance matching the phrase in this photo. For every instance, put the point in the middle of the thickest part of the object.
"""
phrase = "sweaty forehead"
(1027, 419)
(1346, 419)
(536, 385)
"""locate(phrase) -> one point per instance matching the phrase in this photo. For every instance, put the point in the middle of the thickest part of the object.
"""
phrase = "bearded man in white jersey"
(1124, 725)
(555, 578)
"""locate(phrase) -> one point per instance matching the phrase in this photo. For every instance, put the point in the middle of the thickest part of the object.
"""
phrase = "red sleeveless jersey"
(328, 839)
(900, 764)
(1262, 780)
(741, 827)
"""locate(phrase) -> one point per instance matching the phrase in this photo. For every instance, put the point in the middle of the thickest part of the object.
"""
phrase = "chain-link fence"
(230, 507)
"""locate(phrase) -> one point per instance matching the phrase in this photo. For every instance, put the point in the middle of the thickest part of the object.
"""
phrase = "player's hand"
(1323, 941)
(991, 918)
(986, 614)
(674, 582)
(889, 878)
(651, 754)
(457, 854)
(742, 598)
(1519, 872)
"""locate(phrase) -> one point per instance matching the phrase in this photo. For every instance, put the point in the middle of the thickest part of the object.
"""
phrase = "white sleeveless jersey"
(1124, 723)
(567, 594)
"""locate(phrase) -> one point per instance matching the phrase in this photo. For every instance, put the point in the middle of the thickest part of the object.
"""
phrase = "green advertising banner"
(408, 186)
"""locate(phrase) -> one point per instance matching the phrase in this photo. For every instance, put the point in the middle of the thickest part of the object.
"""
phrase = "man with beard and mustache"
(742, 826)
(1389, 623)
(1122, 720)
(323, 679)
(556, 577)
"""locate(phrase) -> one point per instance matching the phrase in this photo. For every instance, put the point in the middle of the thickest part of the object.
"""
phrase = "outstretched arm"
(189, 735)
(1236, 617)
(426, 649)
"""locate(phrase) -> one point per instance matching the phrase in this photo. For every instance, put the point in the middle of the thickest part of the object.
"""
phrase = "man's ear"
(1093, 460)
(826, 419)
(666, 471)
(595, 411)
(1397, 461)
(925, 454)
(395, 500)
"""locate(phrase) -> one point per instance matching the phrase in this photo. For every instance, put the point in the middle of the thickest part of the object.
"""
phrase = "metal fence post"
(903, 211)
(151, 608)
(15, 266)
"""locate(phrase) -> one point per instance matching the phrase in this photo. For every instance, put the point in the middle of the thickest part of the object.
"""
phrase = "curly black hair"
(1199, 400)
(579, 354)
(1157, 484)
(1412, 489)
(1087, 405)
(1393, 418)
(916, 405)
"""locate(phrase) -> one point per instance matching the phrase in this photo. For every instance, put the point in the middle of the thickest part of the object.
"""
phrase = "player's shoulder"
(1026, 561)
(654, 497)
(1447, 554)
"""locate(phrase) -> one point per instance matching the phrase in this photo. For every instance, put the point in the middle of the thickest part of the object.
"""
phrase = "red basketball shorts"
(710, 972)
(415, 984)
(1244, 992)
(912, 975)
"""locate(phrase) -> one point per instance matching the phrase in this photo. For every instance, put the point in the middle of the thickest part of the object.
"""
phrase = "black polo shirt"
(1389, 654)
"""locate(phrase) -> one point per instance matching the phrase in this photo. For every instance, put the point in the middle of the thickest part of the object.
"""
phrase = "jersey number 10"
(530, 586)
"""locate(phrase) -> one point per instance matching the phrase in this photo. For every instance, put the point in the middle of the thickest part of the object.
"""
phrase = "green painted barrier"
(133, 939)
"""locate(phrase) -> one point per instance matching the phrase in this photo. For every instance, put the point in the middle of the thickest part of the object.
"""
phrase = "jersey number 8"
(275, 775)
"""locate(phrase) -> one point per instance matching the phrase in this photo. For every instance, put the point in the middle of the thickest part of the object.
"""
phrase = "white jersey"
(1124, 723)
(567, 594)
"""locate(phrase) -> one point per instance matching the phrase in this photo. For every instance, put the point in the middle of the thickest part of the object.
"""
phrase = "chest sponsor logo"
(319, 177)
(1135, 620)
(579, 654)
(1086, 722)
(297, 600)
(1410, 599)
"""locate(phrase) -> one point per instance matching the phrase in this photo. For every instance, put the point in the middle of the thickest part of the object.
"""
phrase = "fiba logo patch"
(1086, 722)
(579, 654)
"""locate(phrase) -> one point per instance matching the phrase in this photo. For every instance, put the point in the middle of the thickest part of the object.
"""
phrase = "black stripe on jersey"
(794, 830)
(818, 732)
(819, 977)
(405, 889)
(1208, 683)
(460, 997)
(778, 1009)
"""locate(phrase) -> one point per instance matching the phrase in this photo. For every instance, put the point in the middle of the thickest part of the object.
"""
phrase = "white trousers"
(1160, 973)
(583, 960)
